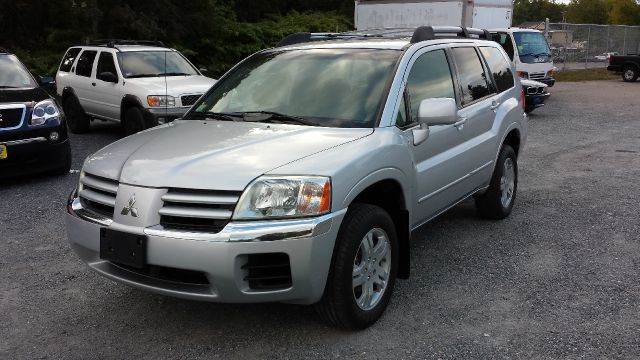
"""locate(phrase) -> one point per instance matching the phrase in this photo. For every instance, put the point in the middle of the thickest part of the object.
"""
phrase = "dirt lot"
(559, 279)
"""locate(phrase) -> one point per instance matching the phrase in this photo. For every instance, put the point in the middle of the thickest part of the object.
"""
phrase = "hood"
(211, 155)
(23, 95)
(175, 85)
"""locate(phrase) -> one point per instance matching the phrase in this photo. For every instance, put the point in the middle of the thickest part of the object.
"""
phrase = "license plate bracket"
(123, 248)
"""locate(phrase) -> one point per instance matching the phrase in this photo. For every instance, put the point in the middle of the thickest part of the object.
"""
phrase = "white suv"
(138, 83)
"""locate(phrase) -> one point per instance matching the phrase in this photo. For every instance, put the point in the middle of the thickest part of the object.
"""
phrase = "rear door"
(82, 83)
(478, 103)
(107, 96)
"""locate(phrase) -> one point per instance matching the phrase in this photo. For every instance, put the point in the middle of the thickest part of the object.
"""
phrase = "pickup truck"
(627, 65)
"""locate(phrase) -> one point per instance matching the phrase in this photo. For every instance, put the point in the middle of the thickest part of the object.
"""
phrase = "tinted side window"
(85, 63)
(473, 80)
(505, 41)
(106, 64)
(68, 59)
(430, 77)
(500, 68)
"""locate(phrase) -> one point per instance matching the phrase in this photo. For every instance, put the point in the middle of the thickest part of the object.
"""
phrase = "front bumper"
(157, 116)
(307, 242)
(33, 154)
(535, 101)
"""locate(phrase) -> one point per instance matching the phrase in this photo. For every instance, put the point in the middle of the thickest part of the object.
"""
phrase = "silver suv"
(301, 175)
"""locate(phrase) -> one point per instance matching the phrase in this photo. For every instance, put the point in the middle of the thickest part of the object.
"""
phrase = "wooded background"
(218, 33)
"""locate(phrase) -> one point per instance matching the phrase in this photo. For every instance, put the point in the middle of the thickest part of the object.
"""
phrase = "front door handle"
(495, 104)
(460, 123)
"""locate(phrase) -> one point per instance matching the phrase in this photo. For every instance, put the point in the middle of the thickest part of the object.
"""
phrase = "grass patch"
(586, 75)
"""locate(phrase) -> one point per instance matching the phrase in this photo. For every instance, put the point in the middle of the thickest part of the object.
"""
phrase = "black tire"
(338, 305)
(77, 119)
(133, 121)
(630, 73)
(490, 205)
(66, 165)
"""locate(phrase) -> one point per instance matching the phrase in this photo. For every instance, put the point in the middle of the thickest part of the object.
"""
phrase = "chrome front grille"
(535, 90)
(188, 100)
(537, 76)
(11, 116)
(197, 210)
(98, 194)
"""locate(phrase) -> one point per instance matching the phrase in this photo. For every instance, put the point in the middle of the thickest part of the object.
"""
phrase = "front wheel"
(77, 119)
(497, 201)
(363, 269)
(133, 121)
(630, 74)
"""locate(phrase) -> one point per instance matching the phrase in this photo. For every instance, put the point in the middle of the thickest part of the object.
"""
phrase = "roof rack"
(4, 51)
(112, 43)
(419, 34)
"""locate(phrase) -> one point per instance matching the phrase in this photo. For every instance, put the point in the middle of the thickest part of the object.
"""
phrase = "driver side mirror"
(108, 76)
(435, 111)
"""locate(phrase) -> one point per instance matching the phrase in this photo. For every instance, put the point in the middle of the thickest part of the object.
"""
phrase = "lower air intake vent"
(268, 271)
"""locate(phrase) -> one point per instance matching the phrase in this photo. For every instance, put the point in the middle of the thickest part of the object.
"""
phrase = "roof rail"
(431, 32)
(4, 51)
(112, 43)
(421, 33)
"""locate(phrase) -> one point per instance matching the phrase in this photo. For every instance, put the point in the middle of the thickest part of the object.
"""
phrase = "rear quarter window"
(499, 66)
(68, 59)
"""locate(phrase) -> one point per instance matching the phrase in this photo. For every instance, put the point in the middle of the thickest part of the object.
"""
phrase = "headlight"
(523, 74)
(161, 101)
(276, 197)
(44, 111)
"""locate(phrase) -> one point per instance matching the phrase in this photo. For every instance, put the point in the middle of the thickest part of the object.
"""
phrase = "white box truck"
(386, 14)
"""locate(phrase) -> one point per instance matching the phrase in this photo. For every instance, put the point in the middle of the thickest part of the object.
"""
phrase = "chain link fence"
(581, 46)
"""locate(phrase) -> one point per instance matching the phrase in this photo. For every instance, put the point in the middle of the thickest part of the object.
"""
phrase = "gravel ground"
(558, 279)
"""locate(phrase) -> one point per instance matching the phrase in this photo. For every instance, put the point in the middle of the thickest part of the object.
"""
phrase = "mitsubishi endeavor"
(300, 176)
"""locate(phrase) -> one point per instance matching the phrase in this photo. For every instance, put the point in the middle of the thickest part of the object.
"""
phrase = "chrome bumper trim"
(25, 141)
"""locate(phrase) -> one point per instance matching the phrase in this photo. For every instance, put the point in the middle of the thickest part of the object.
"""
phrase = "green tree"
(588, 12)
(624, 12)
(537, 10)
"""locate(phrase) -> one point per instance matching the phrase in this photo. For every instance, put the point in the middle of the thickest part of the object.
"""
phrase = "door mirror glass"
(108, 77)
(438, 111)
(46, 80)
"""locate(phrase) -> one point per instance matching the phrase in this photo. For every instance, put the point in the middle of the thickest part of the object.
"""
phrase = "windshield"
(13, 74)
(154, 63)
(532, 47)
(323, 87)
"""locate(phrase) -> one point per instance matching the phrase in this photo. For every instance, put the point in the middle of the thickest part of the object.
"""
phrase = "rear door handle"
(494, 104)
(460, 123)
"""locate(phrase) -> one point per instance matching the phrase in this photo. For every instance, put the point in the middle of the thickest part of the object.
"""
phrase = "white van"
(529, 51)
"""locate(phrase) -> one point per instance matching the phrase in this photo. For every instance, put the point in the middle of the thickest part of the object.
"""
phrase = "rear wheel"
(133, 121)
(630, 73)
(77, 119)
(497, 201)
(363, 269)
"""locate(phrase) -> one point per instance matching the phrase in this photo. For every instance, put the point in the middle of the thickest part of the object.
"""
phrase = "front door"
(107, 95)
(437, 160)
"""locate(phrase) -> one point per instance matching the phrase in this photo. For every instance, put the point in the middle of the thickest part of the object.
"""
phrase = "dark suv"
(33, 133)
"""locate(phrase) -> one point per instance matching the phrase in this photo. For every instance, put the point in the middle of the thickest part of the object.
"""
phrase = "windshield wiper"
(174, 74)
(272, 116)
(216, 115)
(142, 76)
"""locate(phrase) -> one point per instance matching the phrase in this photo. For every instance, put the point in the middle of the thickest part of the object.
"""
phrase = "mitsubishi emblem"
(130, 207)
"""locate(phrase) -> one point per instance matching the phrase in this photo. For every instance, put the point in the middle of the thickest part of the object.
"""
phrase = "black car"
(33, 132)
(627, 65)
